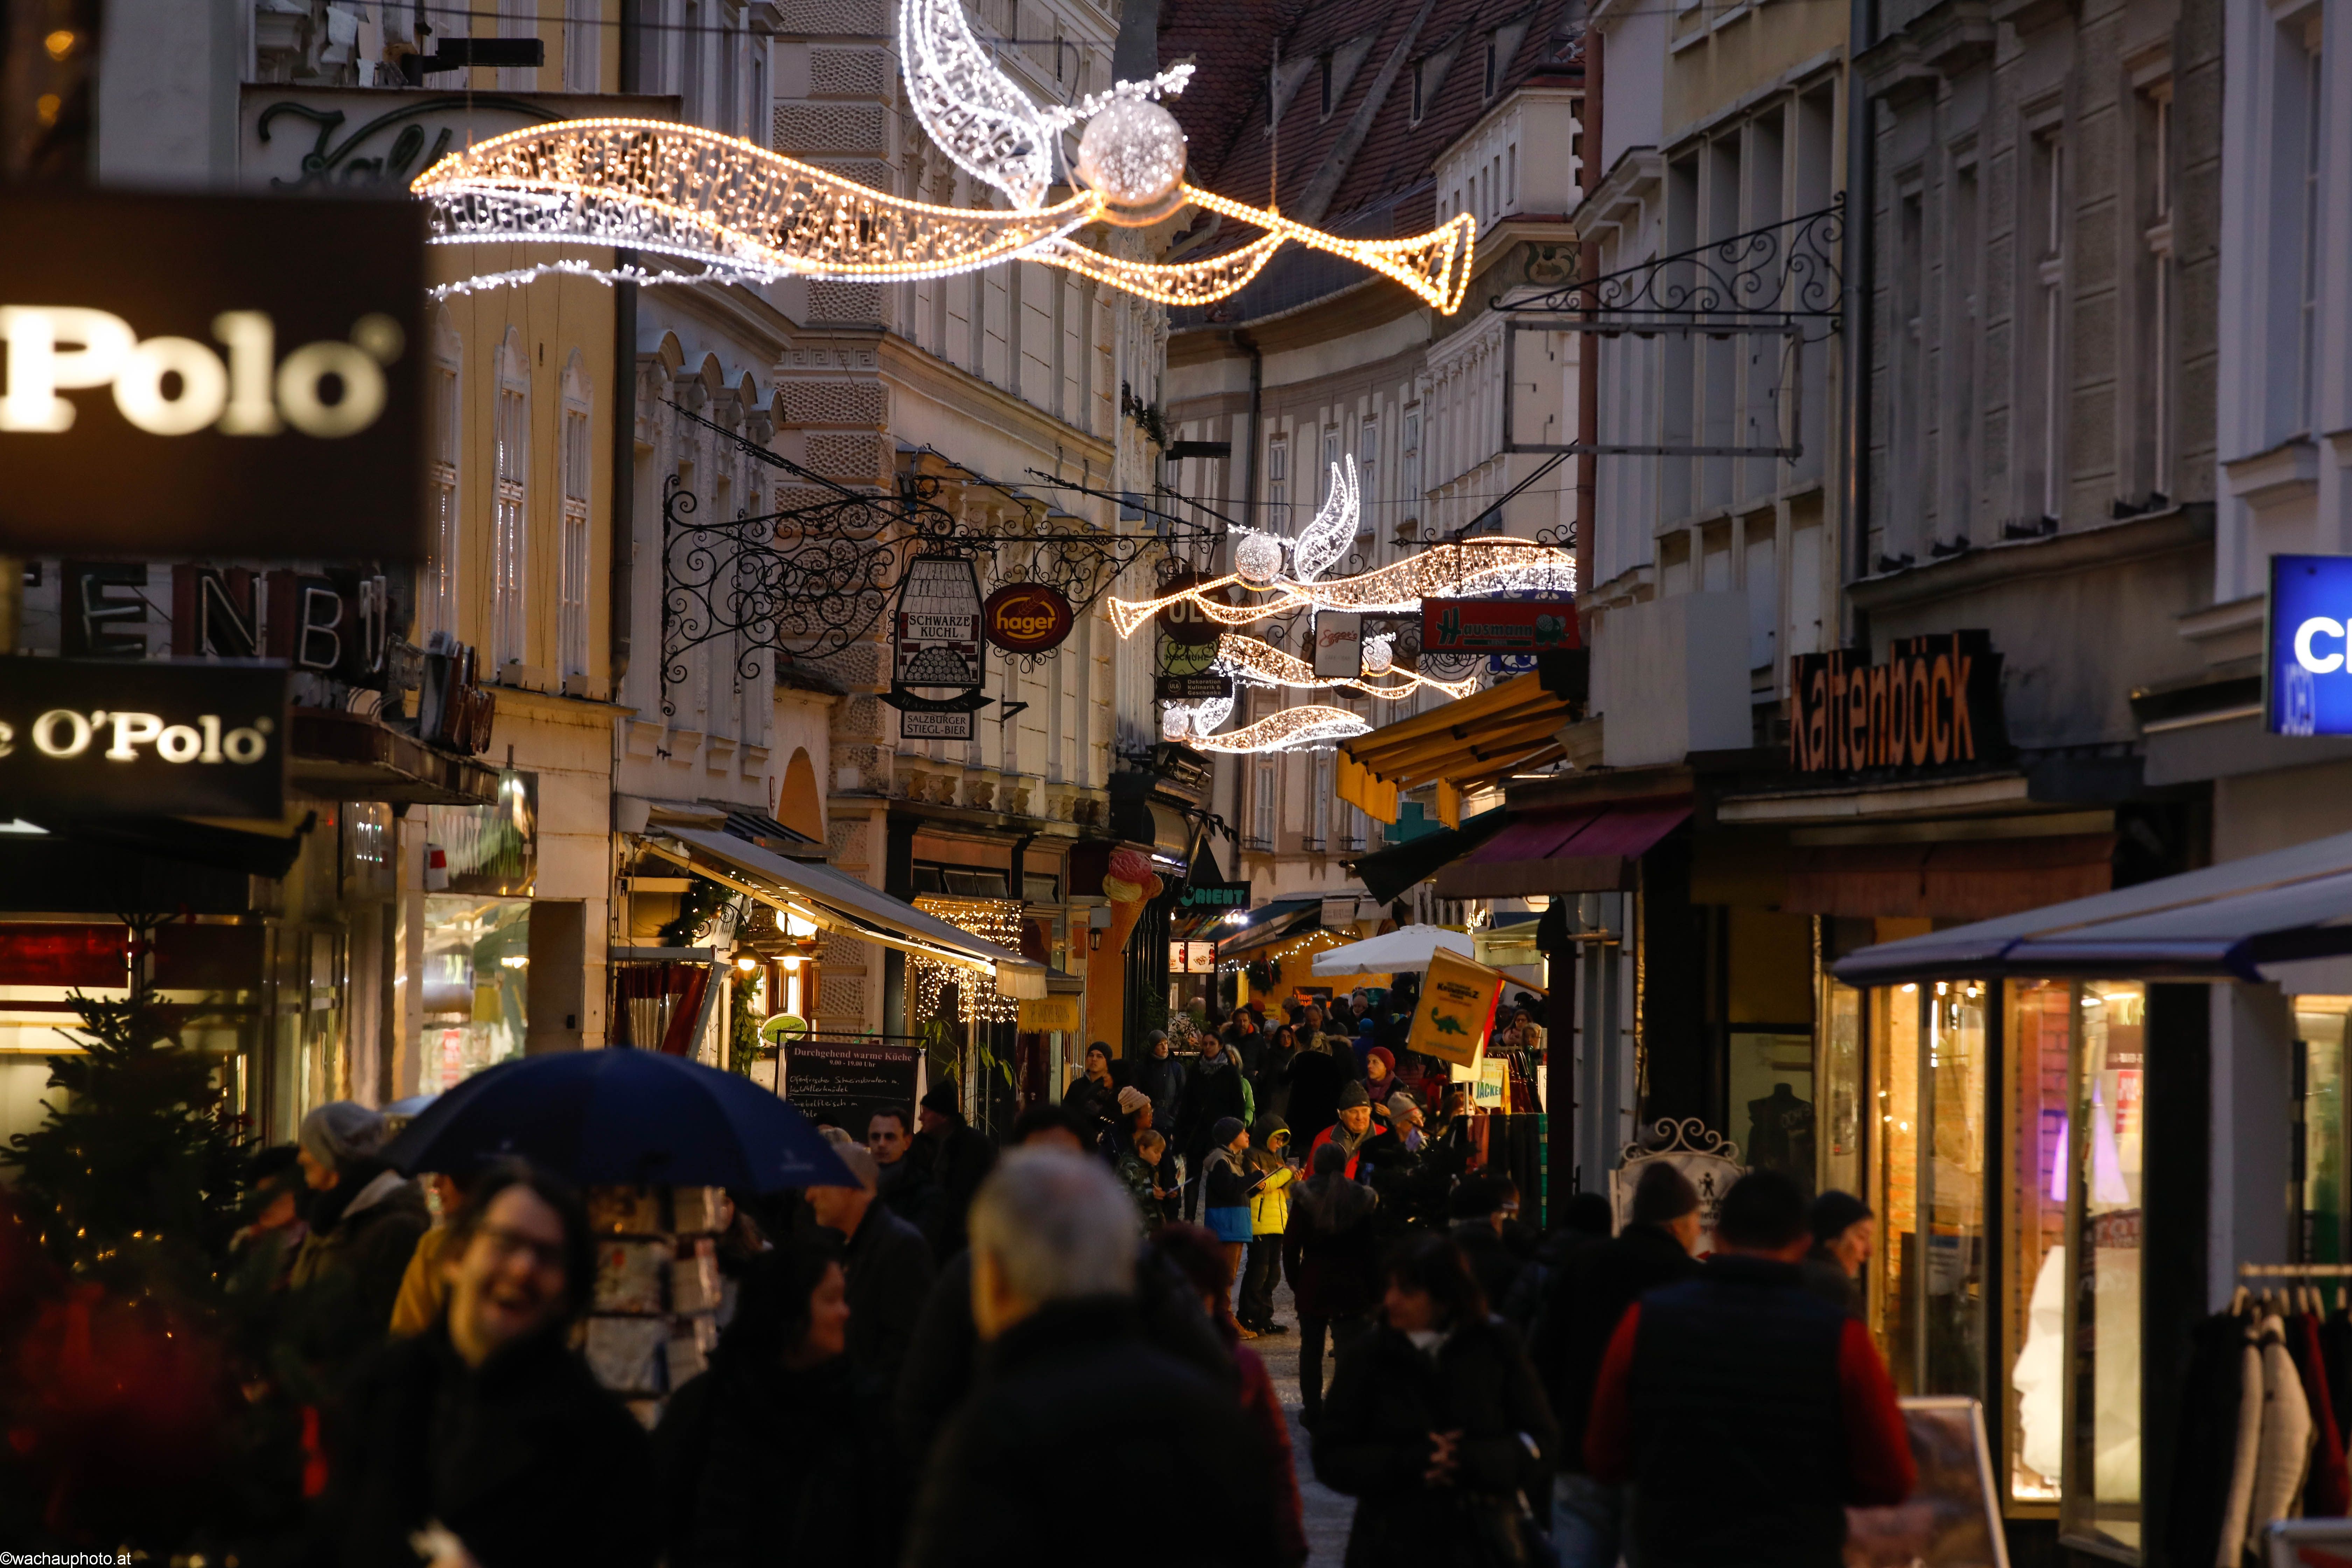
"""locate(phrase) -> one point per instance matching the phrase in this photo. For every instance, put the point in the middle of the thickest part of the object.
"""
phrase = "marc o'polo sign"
(115, 738)
(210, 375)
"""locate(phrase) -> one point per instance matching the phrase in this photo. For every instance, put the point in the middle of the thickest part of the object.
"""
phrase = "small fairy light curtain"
(990, 920)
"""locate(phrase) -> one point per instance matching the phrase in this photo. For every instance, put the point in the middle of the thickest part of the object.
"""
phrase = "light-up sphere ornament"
(1257, 559)
(1378, 655)
(1175, 723)
(1132, 155)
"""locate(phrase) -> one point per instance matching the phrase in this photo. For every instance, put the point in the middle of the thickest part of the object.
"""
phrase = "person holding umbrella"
(485, 1442)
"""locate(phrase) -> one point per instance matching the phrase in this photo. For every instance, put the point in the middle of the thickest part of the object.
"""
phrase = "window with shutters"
(583, 51)
(1263, 797)
(510, 515)
(572, 629)
(1318, 785)
(1278, 484)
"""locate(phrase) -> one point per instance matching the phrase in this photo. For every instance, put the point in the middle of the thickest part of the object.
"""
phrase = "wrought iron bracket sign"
(1780, 280)
(811, 579)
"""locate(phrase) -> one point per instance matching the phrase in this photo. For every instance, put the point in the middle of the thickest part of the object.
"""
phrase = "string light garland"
(998, 920)
(1455, 569)
(1263, 664)
(750, 214)
(1287, 730)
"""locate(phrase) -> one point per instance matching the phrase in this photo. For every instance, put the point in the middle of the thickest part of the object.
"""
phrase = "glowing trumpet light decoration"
(1287, 730)
(1442, 570)
(1263, 664)
(749, 214)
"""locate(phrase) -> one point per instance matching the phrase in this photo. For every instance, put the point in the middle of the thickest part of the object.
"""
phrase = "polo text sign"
(120, 738)
(188, 342)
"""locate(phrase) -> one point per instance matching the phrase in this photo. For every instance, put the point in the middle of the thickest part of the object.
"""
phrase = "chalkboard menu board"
(849, 1080)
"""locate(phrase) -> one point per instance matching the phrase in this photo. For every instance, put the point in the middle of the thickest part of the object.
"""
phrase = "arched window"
(572, 634)
(511, 510)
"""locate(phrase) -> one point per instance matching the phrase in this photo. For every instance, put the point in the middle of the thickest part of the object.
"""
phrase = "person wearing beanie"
(1379, 1076)
(1578, 1317)
(1093, 1097)
(1844, 1230)
(1216, 1093)
(1393, 1160)
(958, 1156)
(365, 1220)
(1352, 1131)
(1228, 1182)
(884, 1260)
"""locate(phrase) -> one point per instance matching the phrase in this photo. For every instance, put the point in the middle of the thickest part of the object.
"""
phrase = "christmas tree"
(136, 1170)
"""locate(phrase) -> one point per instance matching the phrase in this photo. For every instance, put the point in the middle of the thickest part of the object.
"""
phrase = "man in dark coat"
(959, 1157)
(1580, 1313)
(365, 1220)
(906, 1187)
(1331, 1253)
(886, 1262)
(1781, 1391)
(1072, 1387)
(1479, 1208)
(942, 1360)
(486, 1428)
(1843, 1229)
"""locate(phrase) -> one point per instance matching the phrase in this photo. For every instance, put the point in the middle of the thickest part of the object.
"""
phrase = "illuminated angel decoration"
(1262, 664)
(1492, 566)
(1327, 537)
(750, 214)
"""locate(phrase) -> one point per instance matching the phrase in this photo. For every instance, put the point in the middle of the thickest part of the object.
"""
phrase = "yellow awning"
(1456, 746)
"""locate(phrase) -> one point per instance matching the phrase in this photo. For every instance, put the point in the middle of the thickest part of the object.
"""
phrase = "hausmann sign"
(223, 376)
(108, 738)
(1935, 703)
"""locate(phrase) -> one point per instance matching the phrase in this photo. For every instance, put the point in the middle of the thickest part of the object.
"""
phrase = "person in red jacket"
(1747, 1411)
(1352, 1131)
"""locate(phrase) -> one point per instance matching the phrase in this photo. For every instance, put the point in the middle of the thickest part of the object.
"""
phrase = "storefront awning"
(1386, 873)
(2224, 922)
(1457, 746)
(1583, 849)
(1280, 919)
(834, 898)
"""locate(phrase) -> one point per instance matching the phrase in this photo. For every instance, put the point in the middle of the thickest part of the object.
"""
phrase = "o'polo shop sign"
(92, 738)
(213, 375)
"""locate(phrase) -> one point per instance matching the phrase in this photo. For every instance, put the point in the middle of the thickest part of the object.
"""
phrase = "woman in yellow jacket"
(1269, 1217)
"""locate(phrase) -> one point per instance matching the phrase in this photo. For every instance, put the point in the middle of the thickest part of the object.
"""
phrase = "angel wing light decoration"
(750, 214)
(1327, 538)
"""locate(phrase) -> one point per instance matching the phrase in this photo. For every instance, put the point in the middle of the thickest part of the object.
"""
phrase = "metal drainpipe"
(1248, 345)
(621, 571)
(1860, 177)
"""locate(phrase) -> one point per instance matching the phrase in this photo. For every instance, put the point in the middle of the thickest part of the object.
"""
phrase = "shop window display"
(477, 984)
(2103, 1494)
(2319, 1034)
(1772, 1103)
(1839, 1130)
(1895, 1268)
(1953, 1282)
(2039, 1038)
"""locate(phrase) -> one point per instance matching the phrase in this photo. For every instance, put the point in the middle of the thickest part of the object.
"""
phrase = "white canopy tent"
(1406, 949)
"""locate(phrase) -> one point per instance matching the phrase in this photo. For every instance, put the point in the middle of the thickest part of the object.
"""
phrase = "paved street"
(1327, 1512)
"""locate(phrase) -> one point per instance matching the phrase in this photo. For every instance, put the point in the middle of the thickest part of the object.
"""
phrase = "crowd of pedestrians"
(971, 1355)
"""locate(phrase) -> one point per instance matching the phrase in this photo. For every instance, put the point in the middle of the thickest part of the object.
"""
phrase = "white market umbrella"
(1406, 949)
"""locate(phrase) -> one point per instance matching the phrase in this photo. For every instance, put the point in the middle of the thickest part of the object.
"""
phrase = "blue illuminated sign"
(2308, 681)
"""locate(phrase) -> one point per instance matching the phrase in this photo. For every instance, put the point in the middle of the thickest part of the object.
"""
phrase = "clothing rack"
(2294, 1271)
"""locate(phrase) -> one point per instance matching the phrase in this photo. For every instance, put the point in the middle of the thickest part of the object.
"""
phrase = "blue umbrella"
(622, 1116)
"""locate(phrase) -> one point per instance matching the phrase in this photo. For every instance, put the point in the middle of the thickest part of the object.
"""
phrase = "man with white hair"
(1069, 1386)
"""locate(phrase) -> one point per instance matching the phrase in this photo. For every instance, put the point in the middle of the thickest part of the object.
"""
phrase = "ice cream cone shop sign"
(1458, 1008)
(101, 738)
(251, 364)
(1027, 617)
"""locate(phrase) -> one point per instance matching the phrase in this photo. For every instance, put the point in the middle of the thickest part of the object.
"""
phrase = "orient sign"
(253, 362)
(1027, 617)
(2308, 685)
(120, 738)
(1935, 703)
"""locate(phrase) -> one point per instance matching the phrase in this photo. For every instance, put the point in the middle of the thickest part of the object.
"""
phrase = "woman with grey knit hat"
(365, 1218)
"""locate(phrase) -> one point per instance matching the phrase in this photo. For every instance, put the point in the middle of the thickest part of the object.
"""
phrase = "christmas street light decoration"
(1333, 530)
(1262, 664)
(998, 920)
(1453, 569)
(1287, 730)
(750, 214)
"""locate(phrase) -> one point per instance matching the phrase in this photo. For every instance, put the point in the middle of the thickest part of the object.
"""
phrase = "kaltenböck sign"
(117, 738)
(2308, 673)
